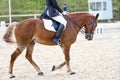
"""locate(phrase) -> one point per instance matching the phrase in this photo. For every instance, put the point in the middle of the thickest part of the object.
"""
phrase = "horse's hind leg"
(14, 56)
(29, 57)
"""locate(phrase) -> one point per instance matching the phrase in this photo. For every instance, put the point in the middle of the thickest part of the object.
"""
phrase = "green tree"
(116, 9)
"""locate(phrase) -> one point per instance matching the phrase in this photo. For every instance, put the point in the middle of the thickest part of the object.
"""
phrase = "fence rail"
(20, 15)
(17, 15)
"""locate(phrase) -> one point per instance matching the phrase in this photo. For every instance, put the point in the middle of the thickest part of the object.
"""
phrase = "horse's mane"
(80, 13)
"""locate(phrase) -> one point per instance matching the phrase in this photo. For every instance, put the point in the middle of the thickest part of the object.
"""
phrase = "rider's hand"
(63, 13)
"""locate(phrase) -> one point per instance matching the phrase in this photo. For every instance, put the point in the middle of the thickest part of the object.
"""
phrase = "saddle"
(55, 24)
(49, 23)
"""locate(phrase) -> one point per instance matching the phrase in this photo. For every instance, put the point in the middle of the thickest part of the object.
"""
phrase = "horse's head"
(90, 27)
(86, 20)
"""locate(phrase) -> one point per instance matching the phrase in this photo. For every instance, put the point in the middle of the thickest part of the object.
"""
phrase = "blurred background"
(19, 7)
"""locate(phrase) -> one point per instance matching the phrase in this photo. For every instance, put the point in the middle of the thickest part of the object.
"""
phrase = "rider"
(53, 11)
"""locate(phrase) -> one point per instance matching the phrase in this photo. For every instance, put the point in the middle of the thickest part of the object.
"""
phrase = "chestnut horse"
(29, 31)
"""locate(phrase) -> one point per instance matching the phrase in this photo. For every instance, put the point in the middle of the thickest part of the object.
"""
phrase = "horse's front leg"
(66, 50)
(59, 66)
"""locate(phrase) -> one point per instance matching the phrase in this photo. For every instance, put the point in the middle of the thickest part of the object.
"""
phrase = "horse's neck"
(77, 24)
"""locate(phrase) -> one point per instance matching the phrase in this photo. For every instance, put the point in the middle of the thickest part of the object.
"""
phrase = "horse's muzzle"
(88, 36)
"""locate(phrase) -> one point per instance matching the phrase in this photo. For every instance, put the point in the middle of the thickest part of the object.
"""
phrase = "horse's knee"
(67, 58)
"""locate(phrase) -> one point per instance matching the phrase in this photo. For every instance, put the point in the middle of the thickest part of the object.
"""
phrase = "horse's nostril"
(89, 39)
(86, 37)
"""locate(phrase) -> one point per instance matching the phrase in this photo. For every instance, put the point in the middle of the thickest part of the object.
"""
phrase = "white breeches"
(60, 19)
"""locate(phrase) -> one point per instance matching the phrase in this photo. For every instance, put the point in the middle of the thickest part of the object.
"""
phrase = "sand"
(98, 59)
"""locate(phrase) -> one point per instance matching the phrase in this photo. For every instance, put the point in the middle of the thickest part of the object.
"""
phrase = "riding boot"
(58, 34)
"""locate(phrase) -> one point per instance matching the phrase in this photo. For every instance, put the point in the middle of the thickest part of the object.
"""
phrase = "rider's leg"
(58, 34)
(60, 19)
(63, 23)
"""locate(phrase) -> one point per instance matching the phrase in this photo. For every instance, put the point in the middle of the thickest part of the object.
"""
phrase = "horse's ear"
(97, 16)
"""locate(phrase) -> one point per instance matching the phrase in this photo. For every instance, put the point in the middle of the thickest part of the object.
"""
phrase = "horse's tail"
(8, 36)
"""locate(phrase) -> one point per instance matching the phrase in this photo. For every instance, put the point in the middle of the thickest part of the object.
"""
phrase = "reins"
(80, 26)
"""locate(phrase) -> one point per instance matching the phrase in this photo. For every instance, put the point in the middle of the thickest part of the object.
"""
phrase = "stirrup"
(57, 41)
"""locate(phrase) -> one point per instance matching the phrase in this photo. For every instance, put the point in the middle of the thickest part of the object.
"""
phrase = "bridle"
(80, 26)
(92, 23)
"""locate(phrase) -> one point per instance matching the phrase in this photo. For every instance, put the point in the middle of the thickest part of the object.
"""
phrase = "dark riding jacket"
(53, 9)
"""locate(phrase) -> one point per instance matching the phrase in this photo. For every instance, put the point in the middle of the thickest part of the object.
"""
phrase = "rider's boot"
(58, 34)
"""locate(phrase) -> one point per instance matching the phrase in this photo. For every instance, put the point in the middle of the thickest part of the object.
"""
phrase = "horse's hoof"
(12, 76)
(53, 68)
(72, 73)
(40, 74)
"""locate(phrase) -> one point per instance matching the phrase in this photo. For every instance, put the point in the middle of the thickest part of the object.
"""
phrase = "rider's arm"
(56, 6)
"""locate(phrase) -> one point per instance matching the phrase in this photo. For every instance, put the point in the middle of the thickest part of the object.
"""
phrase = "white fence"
(12, 16)
(34, 15)
(108, 27)
(22, 15)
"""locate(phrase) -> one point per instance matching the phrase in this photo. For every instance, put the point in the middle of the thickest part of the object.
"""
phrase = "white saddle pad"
(48, 24)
